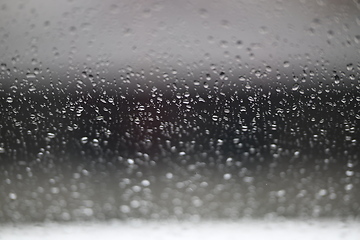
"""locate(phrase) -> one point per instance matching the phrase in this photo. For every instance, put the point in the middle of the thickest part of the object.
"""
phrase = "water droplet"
(239, 44)
(32, 88)
(125, 209)
(3, 66)
(72, 30)
(84, 140)
(295, 87)
(350, 67)
(9, 99)
(12, 196)
(51, 135)
(30, 75)
(349, 186)
(203, 13)
(145, 183)
(322, 192)
(263, 30)
(95, 142)
(227, 176)
(242, 78)
(281, 193)
(248, 179)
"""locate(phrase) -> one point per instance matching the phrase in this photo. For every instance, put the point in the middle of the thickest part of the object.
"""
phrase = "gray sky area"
(180, 35)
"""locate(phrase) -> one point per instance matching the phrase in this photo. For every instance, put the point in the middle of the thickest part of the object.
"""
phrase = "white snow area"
(279, 230)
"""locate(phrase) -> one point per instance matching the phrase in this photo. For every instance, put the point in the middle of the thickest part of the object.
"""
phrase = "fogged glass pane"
(180, 118)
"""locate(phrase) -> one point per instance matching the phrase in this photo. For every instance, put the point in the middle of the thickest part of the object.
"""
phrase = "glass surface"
(181, 119)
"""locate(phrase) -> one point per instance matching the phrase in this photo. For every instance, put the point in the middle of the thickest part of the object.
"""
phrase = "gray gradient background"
(98, 64)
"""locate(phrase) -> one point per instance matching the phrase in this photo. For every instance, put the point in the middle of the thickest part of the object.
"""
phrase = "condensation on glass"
(229, 111)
